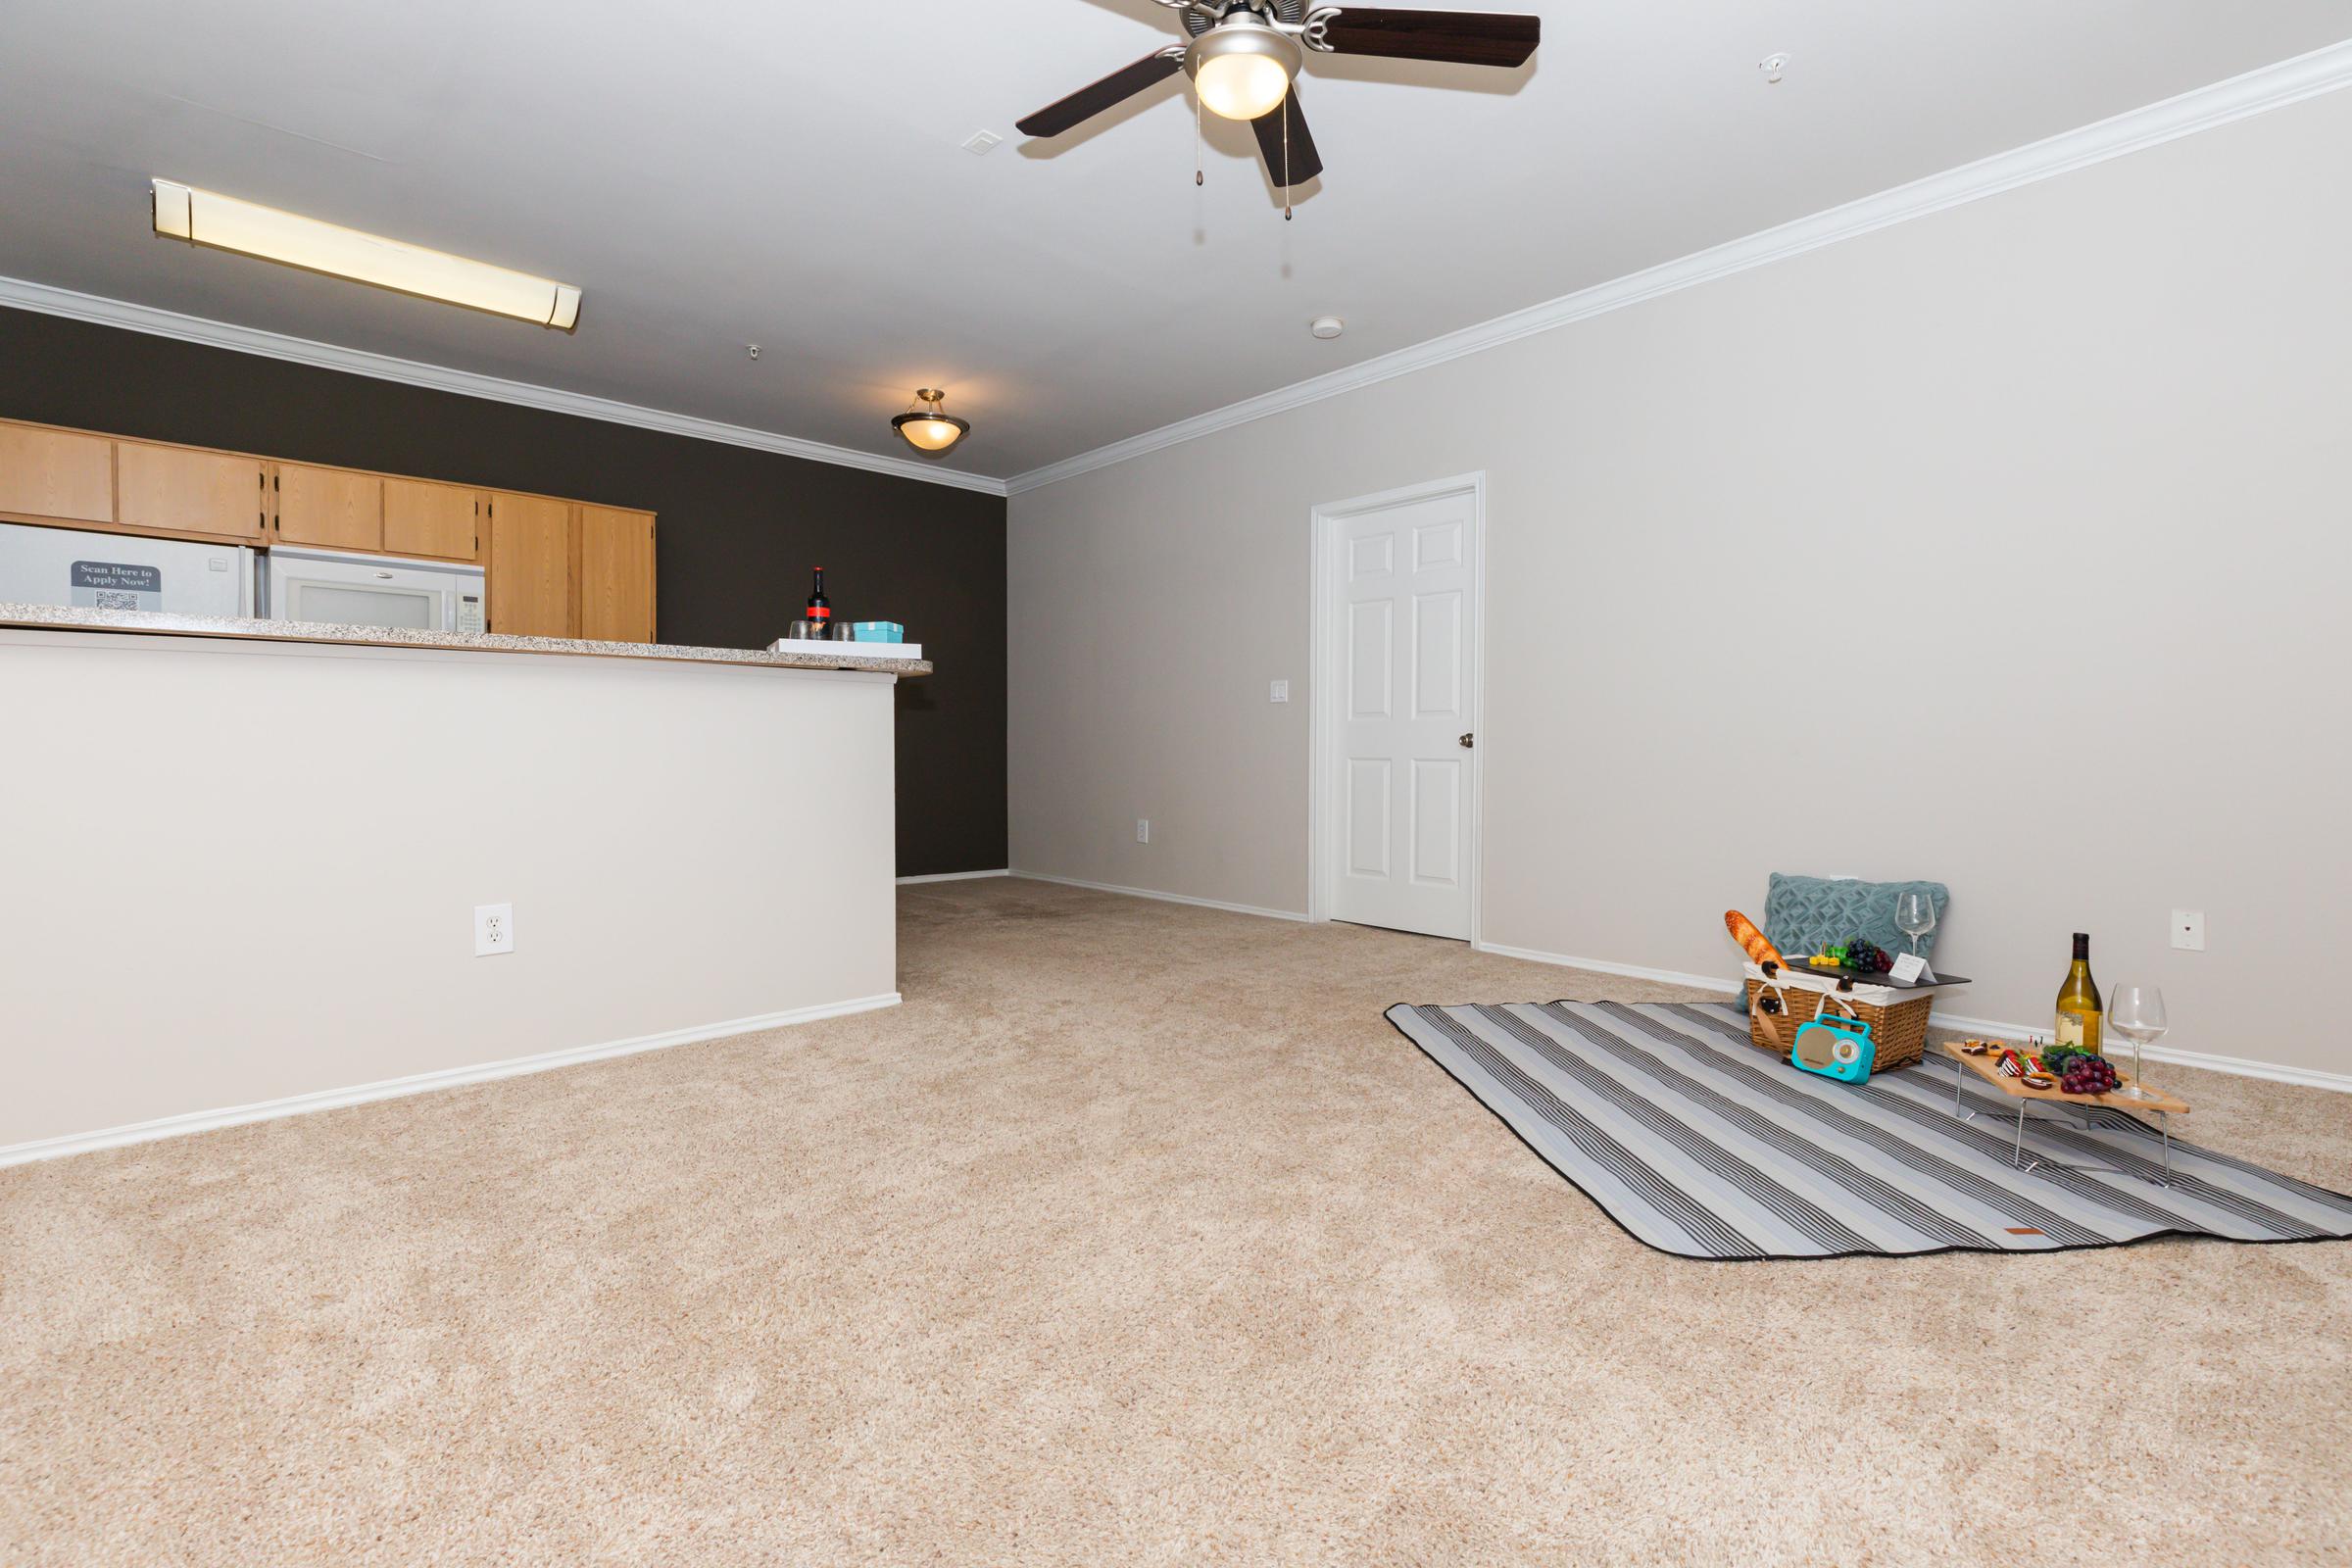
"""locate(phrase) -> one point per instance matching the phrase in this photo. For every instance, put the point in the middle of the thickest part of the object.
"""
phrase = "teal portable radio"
(1834, 1048)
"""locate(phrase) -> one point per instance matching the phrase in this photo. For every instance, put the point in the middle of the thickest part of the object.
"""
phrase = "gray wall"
(2070, 464)
(739, 528)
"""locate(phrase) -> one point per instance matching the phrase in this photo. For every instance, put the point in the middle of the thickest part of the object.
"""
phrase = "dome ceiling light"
(927, 427)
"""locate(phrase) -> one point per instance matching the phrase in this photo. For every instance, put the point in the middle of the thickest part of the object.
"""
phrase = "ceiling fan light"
(1242, 86)
(927, 427)
(1241, 68)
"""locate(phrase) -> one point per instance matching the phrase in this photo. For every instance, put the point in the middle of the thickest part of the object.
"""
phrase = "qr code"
(117, 599)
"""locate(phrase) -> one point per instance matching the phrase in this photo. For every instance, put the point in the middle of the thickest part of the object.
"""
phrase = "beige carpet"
(1134, 1237)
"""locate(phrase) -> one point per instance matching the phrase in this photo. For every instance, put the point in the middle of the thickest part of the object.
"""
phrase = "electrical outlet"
(2188, 929)
(493, 929)
(1277, 690)
(1143, 831)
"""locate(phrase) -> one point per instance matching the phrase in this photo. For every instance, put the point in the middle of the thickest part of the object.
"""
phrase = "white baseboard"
(2242, 1066)
(1991, 1028)
(950, 876)
(1164, 898)
(202, 1122)
(1632, 972)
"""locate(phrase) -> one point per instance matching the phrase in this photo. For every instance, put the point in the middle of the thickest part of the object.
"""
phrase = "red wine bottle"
(821, 609)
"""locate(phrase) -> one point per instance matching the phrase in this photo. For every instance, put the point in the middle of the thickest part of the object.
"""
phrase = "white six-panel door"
(1397, 778)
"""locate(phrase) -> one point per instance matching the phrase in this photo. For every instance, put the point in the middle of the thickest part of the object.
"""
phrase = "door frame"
(1323, 680)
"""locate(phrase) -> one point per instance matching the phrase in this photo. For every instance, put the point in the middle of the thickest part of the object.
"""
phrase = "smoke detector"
(1327, 326)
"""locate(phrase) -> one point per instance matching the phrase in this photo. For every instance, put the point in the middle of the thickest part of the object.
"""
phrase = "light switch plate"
(493, 929)
(2188, 929)
(1277, 690)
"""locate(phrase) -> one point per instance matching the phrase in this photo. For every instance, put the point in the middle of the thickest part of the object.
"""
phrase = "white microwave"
(341, 588)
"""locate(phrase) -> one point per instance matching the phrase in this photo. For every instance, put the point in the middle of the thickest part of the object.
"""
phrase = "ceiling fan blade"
(1304, 162)
(1088, 101)
(1468, 38)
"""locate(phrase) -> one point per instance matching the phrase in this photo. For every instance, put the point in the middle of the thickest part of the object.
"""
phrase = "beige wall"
(2065, 461)
(237, 873)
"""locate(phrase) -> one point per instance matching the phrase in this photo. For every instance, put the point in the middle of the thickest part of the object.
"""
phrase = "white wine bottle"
(2078, 1006)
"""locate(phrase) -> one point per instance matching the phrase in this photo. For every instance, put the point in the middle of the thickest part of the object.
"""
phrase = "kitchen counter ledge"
(62, 618)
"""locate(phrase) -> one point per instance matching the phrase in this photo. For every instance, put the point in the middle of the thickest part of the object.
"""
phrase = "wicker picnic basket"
(1898, 1020)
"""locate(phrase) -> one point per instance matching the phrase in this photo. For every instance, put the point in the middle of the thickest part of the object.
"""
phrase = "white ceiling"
(729, 173)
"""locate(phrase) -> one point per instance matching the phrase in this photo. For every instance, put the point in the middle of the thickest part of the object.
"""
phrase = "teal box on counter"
(877, 631)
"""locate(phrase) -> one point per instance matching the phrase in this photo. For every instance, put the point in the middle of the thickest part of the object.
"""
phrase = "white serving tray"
(826, 645)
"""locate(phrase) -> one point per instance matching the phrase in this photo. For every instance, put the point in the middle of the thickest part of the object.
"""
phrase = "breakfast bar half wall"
(245, 863)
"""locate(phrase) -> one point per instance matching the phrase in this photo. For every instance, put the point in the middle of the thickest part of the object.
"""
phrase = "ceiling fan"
(1243, 58)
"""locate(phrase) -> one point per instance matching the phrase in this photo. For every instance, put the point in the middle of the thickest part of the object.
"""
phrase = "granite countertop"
(62, 617)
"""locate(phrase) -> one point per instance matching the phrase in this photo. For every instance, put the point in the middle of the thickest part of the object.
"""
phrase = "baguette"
(1751, 940)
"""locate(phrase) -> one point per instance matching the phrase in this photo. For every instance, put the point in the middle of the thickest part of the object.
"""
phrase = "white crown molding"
(51, 301)
(2290, 81)
(203, 1121)
(1163, 898)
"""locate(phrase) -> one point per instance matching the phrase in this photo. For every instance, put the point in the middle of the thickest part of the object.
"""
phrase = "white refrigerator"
(123, 571)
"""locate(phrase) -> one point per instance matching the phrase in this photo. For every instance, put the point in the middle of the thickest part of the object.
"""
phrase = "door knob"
(1465, 743)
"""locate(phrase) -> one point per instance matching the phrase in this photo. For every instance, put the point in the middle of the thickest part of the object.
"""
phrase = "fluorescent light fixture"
(205, 218)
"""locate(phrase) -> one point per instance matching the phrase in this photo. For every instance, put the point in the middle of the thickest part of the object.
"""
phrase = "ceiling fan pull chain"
(1286, 159)
(1197, 177)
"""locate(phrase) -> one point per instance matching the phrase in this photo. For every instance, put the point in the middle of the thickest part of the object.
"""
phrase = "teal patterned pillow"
(1803, 913)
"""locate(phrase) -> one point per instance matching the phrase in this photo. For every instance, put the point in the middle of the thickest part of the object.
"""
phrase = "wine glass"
(2138, 1014)
(1914, 917)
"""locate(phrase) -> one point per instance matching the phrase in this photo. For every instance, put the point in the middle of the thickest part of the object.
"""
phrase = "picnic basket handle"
(1846, 986)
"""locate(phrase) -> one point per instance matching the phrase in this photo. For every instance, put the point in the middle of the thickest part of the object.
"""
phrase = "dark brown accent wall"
(739, 528)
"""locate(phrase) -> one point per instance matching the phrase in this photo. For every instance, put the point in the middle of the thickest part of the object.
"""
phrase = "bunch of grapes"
(1867, 957)
(2088, 1074)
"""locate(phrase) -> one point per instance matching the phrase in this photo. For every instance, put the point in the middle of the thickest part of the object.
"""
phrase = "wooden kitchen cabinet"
(530, 566)
(421, 519)
(185, 490)
(554, 567)
(335, 509)
(617, 575)
(56, 473)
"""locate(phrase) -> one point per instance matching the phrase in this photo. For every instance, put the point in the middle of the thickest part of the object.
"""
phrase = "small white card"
(1910, 970)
